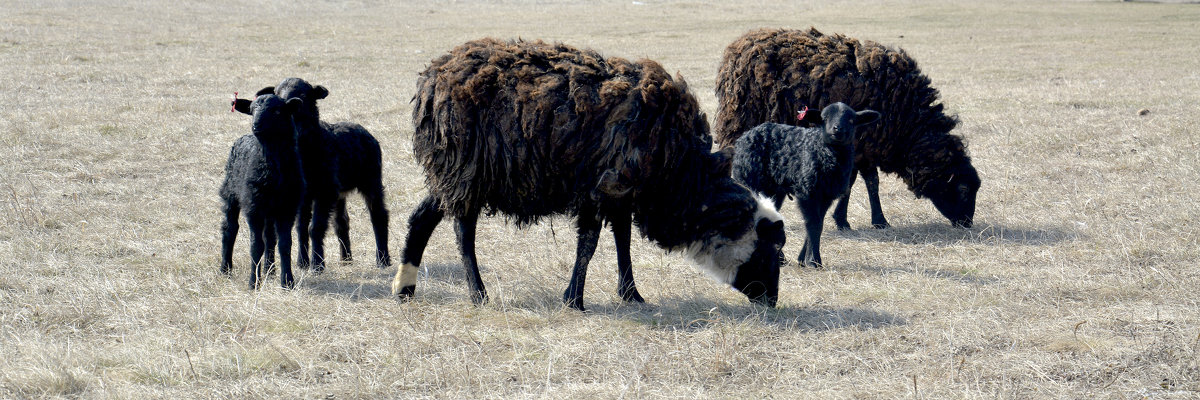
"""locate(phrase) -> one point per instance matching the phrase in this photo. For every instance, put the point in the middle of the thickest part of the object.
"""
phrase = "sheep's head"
(298, 88)
(841, 122)
(272, 116)
(955, 199)
(719, 225)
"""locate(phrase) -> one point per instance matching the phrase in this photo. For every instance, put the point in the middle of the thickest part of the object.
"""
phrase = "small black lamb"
(814, 165)
(263, 180)
(338, 159)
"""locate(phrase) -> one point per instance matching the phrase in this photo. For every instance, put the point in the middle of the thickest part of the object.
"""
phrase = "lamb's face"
(743, 251)
(299, 88)
(841, 122)
(956, 198)
(272, 117)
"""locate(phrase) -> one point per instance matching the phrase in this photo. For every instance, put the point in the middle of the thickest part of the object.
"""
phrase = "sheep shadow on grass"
(697, 313)
(941, 234)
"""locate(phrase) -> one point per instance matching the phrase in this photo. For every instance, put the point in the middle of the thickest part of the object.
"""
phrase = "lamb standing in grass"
(263, 180)
(338, 159)
(814, 165)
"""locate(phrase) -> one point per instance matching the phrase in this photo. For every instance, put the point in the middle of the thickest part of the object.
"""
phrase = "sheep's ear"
(320, 92)
(266, 90)
(243, 106)
(612, 185)
(293, 104)
(722, 162)
(866, 117)
(809, 117)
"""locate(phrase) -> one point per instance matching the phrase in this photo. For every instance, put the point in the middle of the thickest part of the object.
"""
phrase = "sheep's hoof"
(383, 260)
(479, 297)
(631, 296)
(844, 228)
(405, 282)
(576, 303)
(881, 224)
(405, 293)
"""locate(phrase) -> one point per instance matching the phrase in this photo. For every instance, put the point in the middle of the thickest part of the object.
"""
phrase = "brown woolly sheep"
(769, 74)
(530, 129)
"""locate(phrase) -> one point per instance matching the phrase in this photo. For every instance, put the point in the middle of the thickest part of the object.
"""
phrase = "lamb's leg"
(843, 203)
(814, 218)
(269, 251)
(229, 230)
(283, 228)
(621, 223)
(421, 223)
(257, 246)
(379, 223)
(302, 227)
(588, 224)
(465, 230)
(341, 227)
(322, 210)
(871, 180)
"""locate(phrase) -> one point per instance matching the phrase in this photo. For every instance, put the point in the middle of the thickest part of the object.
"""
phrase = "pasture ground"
(1079, 279)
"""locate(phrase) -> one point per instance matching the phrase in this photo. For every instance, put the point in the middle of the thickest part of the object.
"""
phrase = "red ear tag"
(800, 114)
(233, 104)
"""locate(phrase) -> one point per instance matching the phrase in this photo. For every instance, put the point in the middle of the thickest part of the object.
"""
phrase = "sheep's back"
(526, 128)
(767, 75)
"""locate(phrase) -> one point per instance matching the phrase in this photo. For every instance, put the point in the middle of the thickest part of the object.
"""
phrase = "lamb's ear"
(612, 185)
(266, 90)
(722, 162)
(320, 92)
(809, 117)
(243, 106)
(293, 104)
(866, 117)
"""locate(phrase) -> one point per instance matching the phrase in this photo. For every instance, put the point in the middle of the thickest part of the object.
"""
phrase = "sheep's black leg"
(269, 250)
(302, 226)
(320, 224)
(465, 230)
(229, 230)
(341, 227)
(871, 180)
(379, 223)
(621, 232)
(843, 203)
(589, 233)
(814, 218)
(283, 228)
(421, 223)
(257, 245)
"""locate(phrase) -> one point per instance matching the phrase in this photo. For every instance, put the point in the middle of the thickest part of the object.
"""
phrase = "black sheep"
(814, 165)
(530, 129)
(768, 74)
(263, 180)
(339, 158)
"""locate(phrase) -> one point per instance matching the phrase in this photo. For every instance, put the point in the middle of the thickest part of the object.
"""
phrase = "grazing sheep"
(263, 180)
(339, 158)
(768, 74)
(531, 129)
(814, 165)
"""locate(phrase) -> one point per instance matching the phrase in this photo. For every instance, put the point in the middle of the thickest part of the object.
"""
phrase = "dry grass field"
(1079, 280)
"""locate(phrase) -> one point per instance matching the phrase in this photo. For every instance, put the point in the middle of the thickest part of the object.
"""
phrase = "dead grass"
(1078, 282)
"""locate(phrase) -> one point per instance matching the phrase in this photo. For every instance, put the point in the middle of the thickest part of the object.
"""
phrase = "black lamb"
(531, 129)
(768, 74)
(339, 158)
(264, 181)
(814, 165)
